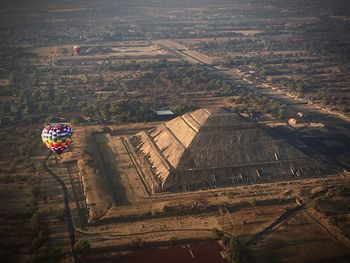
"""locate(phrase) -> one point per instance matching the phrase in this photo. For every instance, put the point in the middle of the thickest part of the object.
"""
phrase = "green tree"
(217, 234)
(35, 221)
(234, 251)
(82, 247)
(74, 121)
(61, 214)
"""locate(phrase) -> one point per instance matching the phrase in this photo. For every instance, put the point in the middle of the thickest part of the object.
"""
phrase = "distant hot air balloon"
(76, 49)
(57, 137)
(292, 122)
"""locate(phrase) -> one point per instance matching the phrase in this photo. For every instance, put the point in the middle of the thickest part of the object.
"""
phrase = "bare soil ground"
(299, 240)
(59, 237)
(109, 181)
(119, 51)
(127, 172)
(99, 195)
(204, 253)
(16, 225)
(242, 211)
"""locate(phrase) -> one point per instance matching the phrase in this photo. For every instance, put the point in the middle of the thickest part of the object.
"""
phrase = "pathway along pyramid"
(211, 148)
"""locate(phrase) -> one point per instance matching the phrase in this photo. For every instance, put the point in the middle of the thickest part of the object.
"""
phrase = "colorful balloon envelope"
(57, 137)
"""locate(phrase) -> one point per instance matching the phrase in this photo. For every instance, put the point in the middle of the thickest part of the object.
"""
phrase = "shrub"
(217, 234)
(61, 214)
(82, 247)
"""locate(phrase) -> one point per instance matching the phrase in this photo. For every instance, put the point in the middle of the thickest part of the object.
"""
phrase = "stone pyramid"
(215, 147)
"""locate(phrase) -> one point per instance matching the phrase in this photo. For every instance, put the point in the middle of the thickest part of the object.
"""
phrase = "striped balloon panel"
(57, 137)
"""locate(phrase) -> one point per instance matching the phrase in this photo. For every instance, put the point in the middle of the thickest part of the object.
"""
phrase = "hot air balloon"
(57, 137)
(76, 50)
(292, 122)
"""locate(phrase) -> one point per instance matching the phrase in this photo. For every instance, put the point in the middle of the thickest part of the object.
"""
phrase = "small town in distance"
(189, 131)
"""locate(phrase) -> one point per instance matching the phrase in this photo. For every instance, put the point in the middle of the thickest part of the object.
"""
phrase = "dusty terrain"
(270, 60)
(254, 213)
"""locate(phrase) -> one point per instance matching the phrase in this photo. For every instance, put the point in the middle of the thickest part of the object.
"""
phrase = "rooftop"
(164, 112)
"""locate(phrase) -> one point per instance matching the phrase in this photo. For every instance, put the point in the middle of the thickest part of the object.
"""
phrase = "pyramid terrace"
(216, 147)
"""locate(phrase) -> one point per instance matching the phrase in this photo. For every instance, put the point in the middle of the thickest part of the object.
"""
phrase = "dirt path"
(111, 234)
(280, 220)
(70, 224)
(336, 234)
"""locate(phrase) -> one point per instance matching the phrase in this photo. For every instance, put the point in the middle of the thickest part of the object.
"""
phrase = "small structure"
(255, 115)
(63, 50)
(164, 114)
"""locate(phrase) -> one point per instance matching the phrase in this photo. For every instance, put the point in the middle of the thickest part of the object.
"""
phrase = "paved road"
(233, 75)
(314, 113)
